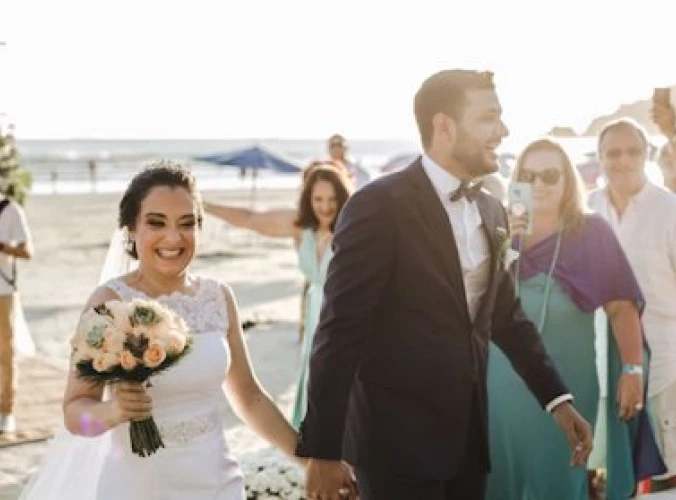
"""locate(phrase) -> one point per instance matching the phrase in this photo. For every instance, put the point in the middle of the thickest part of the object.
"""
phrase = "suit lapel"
(489, 226)
(439, 232)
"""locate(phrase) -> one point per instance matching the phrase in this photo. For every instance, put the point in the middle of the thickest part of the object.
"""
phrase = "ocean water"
(60, 166)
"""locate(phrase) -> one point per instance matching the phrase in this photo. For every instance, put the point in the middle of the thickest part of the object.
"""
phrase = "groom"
(416, 290)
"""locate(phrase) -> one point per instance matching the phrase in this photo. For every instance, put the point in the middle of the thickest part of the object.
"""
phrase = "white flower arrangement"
(268, 474)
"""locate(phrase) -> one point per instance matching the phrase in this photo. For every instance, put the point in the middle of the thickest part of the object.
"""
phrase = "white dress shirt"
(13, 230)
(473, 249)
(647, 233)
(466, 222)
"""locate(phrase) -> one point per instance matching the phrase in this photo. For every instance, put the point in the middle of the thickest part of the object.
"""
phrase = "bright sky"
(305, 69)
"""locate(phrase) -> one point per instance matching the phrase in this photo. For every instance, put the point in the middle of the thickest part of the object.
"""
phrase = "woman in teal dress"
(324, 192)
(570, 264)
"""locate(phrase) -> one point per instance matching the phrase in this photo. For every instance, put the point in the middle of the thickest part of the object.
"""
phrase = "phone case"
(520, 203)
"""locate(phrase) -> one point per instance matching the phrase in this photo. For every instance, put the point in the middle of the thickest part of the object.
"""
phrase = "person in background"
(643, 216)
(570, 265)
(325, 191)
(338, 147)
(15, 243)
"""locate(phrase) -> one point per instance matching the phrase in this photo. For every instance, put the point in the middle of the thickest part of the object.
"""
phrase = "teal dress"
(529, 453)
(314, 270)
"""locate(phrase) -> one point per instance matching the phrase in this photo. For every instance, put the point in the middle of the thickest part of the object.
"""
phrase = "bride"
(162, 213)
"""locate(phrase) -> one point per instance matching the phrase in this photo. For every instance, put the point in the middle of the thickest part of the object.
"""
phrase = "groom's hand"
(329, 480)
(578, 432)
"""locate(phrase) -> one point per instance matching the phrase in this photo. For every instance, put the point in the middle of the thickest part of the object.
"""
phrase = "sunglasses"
(615, 153)
(549, 176)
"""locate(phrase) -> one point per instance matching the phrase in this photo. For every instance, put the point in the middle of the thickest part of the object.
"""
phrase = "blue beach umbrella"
(253, 158)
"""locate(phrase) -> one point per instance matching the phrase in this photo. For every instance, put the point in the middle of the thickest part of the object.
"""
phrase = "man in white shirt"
(15, 242)
(643, 217)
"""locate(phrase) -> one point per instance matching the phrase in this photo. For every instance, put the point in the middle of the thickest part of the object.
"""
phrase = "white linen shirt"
(647, 233)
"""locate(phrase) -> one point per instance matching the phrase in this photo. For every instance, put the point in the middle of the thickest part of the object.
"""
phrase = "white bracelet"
(632, 369)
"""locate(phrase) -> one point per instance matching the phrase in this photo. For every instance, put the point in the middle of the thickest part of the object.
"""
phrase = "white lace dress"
(187, 404)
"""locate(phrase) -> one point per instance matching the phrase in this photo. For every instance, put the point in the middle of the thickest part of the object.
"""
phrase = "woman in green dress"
(569, 265)
(324, 192)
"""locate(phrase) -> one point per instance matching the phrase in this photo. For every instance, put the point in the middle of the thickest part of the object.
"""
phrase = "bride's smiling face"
(166, 230)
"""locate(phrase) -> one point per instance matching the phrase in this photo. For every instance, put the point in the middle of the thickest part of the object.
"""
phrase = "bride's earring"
(129, 243)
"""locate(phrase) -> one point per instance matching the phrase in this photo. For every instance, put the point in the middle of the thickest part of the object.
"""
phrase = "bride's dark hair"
(158, 173)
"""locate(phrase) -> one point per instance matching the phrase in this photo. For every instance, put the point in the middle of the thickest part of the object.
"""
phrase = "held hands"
(130, 402)
(629, 395)
(330, 480)
(578, 432)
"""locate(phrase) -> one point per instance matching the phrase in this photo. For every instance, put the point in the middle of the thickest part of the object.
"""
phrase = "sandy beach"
(71, 235)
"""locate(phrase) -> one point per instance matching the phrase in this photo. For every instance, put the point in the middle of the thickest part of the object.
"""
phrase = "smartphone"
(662, 96)
(520, 205)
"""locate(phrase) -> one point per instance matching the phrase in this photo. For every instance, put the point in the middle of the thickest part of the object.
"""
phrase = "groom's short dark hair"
(444, 92)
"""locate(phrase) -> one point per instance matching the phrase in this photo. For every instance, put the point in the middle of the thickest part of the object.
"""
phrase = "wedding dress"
(188, 399)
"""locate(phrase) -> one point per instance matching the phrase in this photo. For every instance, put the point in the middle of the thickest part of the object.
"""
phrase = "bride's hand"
(130, 402)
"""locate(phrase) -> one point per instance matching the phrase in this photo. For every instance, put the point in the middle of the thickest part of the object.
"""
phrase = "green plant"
(15, 182)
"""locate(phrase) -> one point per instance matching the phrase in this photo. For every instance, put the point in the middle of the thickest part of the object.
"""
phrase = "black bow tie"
(469, 191)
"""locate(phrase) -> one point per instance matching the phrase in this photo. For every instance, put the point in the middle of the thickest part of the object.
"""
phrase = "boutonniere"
(503, 248)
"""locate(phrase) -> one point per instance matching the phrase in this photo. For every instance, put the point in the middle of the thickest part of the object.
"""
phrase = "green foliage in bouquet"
(130, 341)
(15, 182)
(137, 345)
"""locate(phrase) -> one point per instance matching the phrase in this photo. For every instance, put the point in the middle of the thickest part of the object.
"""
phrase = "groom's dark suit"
(398, 370)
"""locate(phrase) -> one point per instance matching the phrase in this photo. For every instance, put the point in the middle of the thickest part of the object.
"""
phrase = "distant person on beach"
(160, 216)
(15, 243)
(325, 190)
(338, 147)
(643, 216)
(91, 166)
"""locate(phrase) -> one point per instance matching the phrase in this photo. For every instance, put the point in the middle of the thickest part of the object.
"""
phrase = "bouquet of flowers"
(129, 342)
(268, 474)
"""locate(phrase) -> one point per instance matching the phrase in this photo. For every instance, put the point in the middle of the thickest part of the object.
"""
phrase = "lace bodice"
(187, 397)
(205, 311)
(196, 462)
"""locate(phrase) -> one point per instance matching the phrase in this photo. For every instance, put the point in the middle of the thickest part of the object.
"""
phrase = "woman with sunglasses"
(569, 265)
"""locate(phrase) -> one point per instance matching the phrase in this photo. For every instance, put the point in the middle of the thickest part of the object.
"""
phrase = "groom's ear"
(445, 128)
